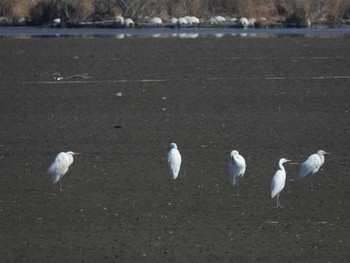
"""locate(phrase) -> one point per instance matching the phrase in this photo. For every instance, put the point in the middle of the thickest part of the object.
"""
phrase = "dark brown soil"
(267, 98)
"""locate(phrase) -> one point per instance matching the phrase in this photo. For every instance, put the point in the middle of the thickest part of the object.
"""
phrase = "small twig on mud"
(79, 76)
(57, 76)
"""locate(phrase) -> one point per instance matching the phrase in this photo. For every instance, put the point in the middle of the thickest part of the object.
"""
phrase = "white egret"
(60, 165)
(278, 182)
(119, 20)
(128, 22)
(312, 165)
(182, 21)
(233, 20)
(244, 22)
(154, 20)
(174, 161)
(308, 23)
(21, 22)
(220, 19)
(56, 21)
(236, 168)
(173, 21)
(251, 22)
(192, 20)
(212, 21)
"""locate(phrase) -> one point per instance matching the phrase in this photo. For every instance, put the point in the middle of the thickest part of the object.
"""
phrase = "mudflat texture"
(268, 98)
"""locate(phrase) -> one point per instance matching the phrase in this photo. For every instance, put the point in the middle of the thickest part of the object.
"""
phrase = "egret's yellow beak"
(327, 153)
(76, 153)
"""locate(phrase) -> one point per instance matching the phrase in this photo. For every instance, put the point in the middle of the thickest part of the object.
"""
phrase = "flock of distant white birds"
(178, 22)
(237, 168)
(190, 21)
(185, 21)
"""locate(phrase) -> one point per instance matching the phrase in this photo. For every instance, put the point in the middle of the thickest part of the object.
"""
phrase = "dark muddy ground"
(267, 98)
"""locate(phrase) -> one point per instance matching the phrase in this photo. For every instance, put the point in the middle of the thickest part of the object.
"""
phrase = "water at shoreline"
(35, 32)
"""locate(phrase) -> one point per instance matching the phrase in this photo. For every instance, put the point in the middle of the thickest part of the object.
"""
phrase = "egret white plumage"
(56, 21)
(251, 22)
(60, 166)
(173, 21)
(312, 164)
(128, 22)
(243, 21)
(154, 20)
(192, 20)
(182, 21)
(119, 20)
(236, 168)
(233, 20)
(174, 161)
(220, 19)
(278, 182)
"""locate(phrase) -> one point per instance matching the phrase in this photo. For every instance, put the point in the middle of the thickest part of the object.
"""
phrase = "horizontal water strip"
(171, 80)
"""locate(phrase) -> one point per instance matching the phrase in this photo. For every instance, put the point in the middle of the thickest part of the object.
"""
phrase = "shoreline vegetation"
(176, 13)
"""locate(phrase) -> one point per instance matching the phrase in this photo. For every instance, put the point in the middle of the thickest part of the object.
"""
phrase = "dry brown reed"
(68, 10)
(338, 9)
(16, 9)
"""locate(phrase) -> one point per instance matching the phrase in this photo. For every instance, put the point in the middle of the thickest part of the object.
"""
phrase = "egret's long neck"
(321, 157)
(70, 158)
(281, 166)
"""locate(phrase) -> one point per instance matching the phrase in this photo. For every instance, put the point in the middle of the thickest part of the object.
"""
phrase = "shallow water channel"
(34, 32)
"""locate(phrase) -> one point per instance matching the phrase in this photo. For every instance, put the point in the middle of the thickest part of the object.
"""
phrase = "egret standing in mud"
(174, 161)
(236, 168)
(312, 165)
(60, 166)
(278, 182)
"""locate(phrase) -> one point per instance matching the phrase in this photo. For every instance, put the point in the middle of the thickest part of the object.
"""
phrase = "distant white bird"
(308, 23)
(21, 22)
(192, 20)
(128, 22)
(220, 19)
(252, 21)
(217, 20)
(173, 21)
(182, 21)
(243, 21)
(312, 165)
(60, 166)
(174, 161)
(119, 20)
(233, 20)
(212, 21)
(154, 20)
(236, 168)
(278, 182)
(57, 21)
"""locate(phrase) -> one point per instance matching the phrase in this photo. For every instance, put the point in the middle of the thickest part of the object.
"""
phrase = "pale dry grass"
(311, 9)
(256, 8)
(15, 9)
(338, 9)
(187, 7)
